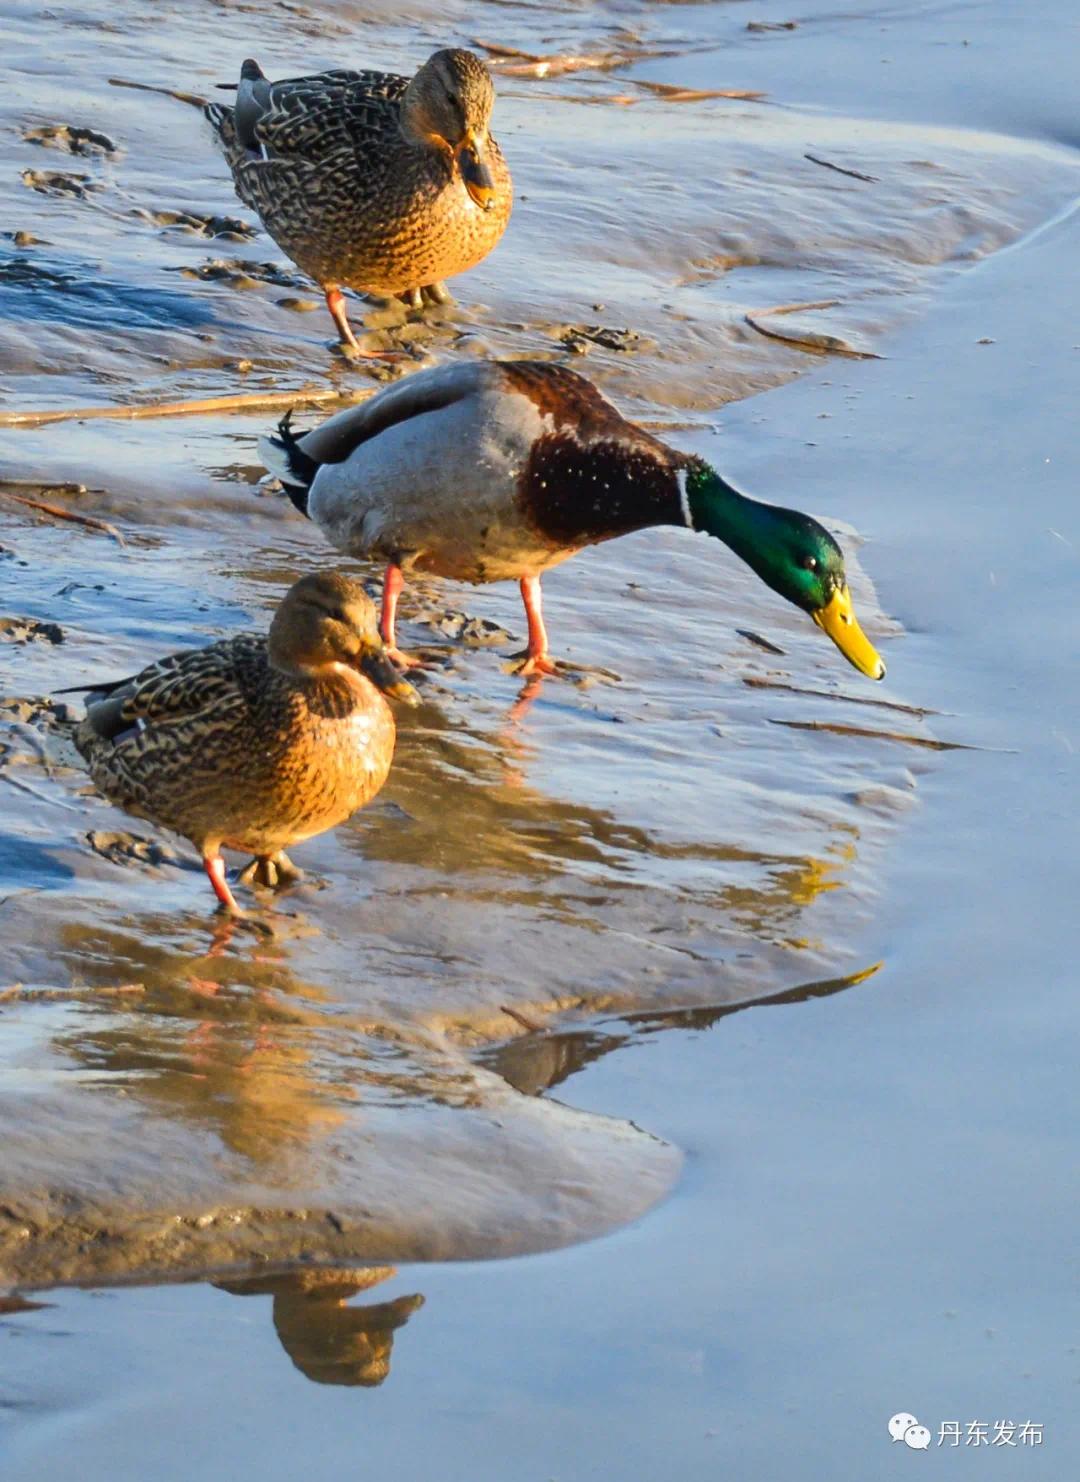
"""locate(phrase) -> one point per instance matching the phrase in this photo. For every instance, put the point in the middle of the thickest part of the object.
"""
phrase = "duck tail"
(286, 459)
(219, 116)
(252, 95)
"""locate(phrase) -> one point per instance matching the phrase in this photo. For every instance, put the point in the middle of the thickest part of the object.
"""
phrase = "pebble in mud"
(36, 710)
(229, 228)
(60, 183)
(120, 847)
(238, 272)
(29, 630)
(477, 632)
(580, 338)
(71, 139)
(884, 799)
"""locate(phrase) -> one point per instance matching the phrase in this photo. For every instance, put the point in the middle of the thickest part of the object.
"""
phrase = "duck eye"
(810, 562)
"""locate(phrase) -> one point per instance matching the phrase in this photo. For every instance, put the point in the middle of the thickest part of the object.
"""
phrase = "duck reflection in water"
(537, 1062)
(327, 1340)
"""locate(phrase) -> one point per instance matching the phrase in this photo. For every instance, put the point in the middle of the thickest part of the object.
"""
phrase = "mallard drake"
(259, 740)
(489, 471)
(370, 180)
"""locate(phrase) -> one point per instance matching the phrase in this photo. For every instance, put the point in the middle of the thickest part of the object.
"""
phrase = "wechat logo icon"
(904, 1427)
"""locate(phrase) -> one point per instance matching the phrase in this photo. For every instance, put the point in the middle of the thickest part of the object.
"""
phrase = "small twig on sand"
(840, 170)
(254, 402)
(674, 94)
(510, 61)
(756, 638)
(559, 66)
(57, 512)
(758, 683)
(41, 486)
(819, 303)
(166, 92)
(523, 1019)
(494, 48)
(17, 993)
(838, 730)
(810, 339)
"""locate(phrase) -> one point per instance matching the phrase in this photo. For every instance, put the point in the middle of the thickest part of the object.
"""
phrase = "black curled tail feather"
(284, 456)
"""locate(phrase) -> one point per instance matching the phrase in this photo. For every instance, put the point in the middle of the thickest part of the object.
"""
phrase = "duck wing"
(336, 439)
(315, 117)
(296, 458)
(575, 406)
(210, 683)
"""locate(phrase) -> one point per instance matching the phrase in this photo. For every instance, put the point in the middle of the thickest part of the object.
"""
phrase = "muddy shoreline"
(704, 833)
(629, 863)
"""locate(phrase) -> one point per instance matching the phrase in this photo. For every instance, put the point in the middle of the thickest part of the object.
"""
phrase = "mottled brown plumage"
(255, 742)
(370, 180)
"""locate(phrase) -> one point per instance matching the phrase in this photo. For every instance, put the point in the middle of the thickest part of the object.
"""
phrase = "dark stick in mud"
(57, 512)
(810, 339)
(840, 169)
(839, 730)
(193, 99)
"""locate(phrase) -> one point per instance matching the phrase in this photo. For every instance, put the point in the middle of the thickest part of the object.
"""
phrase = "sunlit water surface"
(605, 860)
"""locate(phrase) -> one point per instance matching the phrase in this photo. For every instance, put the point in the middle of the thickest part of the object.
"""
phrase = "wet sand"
(878, 1206)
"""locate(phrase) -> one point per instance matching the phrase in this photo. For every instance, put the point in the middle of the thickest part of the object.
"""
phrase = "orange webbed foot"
(525, 664)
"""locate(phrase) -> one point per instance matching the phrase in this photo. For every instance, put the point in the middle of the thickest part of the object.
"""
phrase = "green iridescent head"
(790, 551)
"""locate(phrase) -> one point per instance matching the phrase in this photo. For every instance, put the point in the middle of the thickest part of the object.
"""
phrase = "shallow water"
(673, 839)
(602, 858)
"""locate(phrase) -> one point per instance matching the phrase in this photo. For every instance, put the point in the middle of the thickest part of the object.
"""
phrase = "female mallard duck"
(369, 180)
(258, 741)
(489, 471)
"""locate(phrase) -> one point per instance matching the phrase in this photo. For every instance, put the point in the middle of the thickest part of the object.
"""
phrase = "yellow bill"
(837, 618)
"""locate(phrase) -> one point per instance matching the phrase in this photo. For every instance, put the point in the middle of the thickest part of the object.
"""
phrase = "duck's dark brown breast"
(592, 475)
(581, 493)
